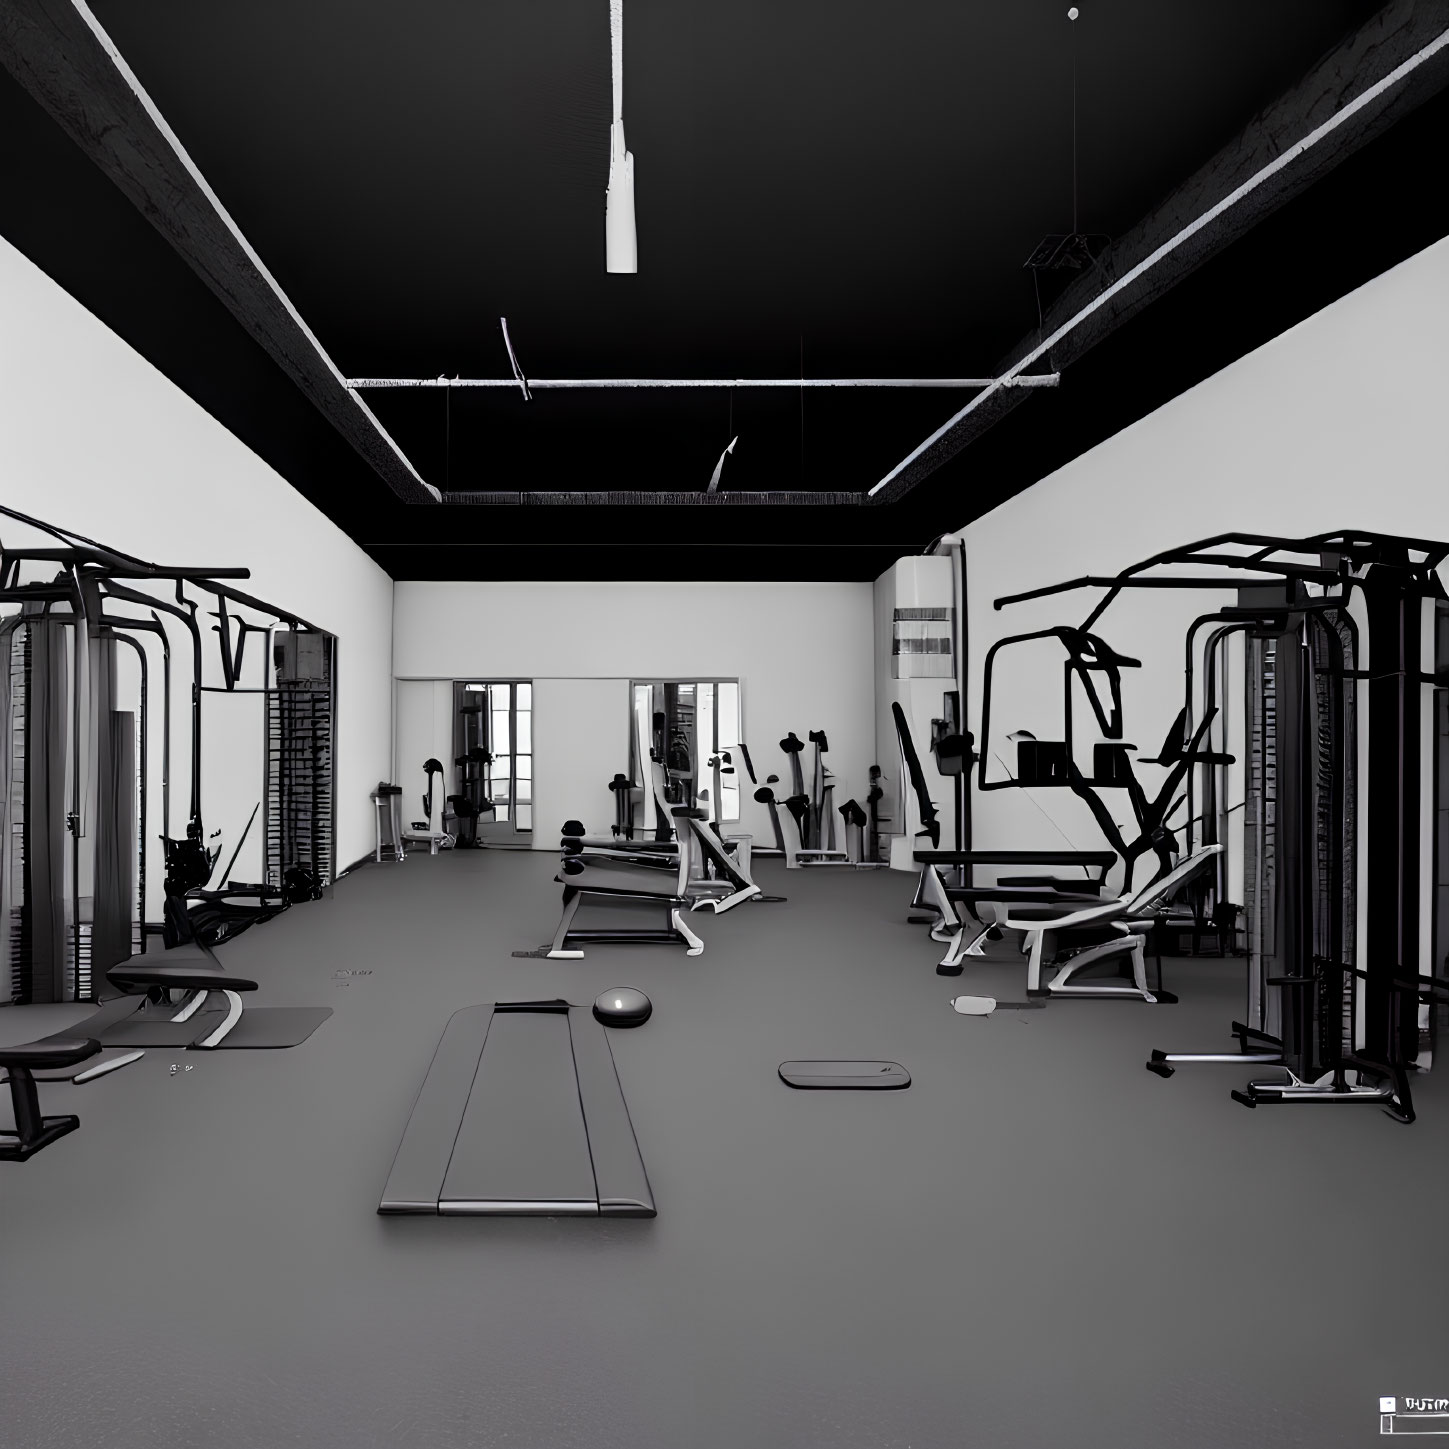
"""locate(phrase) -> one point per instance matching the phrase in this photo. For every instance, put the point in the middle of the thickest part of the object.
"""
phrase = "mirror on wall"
(691, 725)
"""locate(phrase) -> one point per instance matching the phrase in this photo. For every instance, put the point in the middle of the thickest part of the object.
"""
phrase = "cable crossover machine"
(1337, 647)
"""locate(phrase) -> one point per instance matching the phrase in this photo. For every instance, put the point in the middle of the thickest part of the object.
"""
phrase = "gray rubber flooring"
(1038, 1244)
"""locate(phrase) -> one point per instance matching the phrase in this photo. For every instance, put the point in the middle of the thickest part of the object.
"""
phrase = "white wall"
(422, 730)
(94, 439)
(572, 766)
(803, 654)
(1342, 422)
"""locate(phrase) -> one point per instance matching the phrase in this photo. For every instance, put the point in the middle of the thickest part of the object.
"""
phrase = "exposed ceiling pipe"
(657, 498)
(1284, 159)
(536, 384)
(518, 376)
(129, 76)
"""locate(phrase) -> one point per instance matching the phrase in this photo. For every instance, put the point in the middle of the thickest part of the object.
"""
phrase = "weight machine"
(75, 761)
(820, 842)
(1340, 972)
(471, 759)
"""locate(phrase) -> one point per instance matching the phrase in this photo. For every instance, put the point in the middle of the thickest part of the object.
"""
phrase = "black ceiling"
(842, 187)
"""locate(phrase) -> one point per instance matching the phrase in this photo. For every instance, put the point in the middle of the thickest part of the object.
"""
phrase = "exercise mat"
(262, 1028)
(857, 1076)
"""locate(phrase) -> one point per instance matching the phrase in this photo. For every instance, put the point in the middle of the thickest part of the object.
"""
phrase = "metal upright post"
(1392, 947)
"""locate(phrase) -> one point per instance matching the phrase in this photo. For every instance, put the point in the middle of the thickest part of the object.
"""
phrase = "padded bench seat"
(196, 974)
(1050, 912)
(186, 967)
(1052, 882)
(970, 895)
(49, 1053)
(32, 1131)
(603, 879)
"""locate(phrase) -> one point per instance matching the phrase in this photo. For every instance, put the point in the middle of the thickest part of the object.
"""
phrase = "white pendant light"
(621, 245)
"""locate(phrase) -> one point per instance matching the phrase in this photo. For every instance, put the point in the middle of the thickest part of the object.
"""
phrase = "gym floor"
(1038, 1244)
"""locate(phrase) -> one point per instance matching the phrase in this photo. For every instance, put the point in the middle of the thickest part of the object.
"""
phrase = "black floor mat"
(261, 1028)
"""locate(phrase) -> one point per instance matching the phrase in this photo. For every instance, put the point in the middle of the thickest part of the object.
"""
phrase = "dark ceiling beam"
(51, 50)
(616, 498)
(1408, 36)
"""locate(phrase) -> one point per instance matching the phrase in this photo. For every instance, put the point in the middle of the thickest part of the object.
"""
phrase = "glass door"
(494, 760)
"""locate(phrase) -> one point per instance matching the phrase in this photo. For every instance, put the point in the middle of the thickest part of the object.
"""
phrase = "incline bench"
(936, 894)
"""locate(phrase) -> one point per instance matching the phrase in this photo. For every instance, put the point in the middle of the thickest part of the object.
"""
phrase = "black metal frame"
(1395, 575)
(1089, 655)
(89, 577)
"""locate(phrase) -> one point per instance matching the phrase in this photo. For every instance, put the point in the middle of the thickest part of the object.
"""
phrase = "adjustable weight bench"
(33, 1131)
(191, 968)
(604, 882)
(727, 855)
(1081, 936)
(141, 981)
(671, 874)
(198, 974)
(934, 892)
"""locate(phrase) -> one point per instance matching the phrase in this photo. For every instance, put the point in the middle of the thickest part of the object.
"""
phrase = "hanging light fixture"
(621, 246)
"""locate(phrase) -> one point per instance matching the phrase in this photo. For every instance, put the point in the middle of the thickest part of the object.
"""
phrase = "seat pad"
(54, 1052)
(192, 975)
